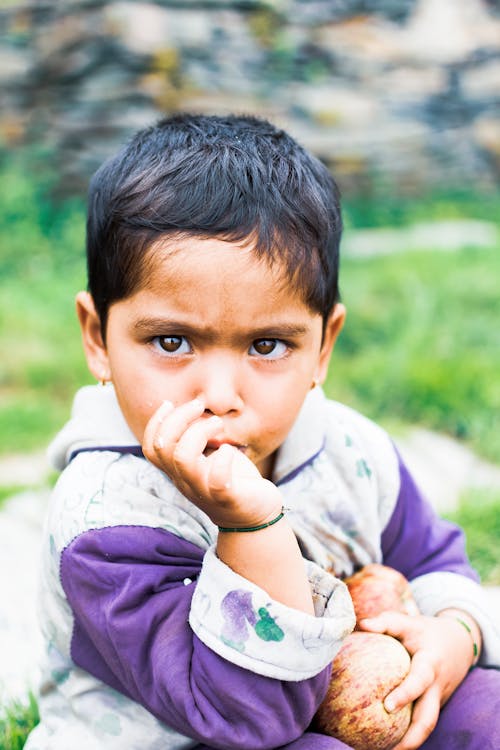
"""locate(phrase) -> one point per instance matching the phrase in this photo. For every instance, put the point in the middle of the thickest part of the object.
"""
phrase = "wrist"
(271, 519)
(271, 559)
(469, 626)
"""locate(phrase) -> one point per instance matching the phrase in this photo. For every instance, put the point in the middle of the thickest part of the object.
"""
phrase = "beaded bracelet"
(475, 649)
(256, 528)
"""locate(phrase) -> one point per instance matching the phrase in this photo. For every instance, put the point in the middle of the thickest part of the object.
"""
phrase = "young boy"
(211, 498)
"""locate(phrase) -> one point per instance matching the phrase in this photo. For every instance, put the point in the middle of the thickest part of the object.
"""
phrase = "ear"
(93, 343)
(333, 327)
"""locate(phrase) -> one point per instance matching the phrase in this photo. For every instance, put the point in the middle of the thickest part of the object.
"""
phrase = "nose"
(220, 386)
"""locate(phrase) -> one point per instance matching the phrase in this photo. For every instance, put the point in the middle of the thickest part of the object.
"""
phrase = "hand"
(224, 483)
(440, 648)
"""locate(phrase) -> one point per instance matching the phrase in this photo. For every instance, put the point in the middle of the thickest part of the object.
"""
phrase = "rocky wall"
(400, 92)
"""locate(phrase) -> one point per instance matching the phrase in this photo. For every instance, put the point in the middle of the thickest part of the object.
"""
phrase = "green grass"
(422, 342)
(16, 721)
(479, 515)
(41, 269)
(384, 207)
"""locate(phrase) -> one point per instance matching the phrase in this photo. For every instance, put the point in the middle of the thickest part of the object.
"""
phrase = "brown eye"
(172, 344)
(269, 348)
(264, 346)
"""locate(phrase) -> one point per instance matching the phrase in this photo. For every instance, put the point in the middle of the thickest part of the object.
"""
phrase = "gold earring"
(104, 378)
(315, 383)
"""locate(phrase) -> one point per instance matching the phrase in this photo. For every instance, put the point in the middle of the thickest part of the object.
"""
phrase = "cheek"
(280, 407)
(138, 397)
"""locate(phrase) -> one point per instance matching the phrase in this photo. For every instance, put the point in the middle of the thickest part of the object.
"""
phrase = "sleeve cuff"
(436, 591)
(240, 622)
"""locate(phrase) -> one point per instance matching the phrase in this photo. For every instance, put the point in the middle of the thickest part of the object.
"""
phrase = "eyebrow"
(273, 330)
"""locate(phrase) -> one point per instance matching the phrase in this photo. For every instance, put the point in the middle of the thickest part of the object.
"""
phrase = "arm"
(431, 553)
(229, 488)
(416, 541)
(126, 587)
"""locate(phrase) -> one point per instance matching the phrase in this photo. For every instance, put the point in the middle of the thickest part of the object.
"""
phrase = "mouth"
(214, 445)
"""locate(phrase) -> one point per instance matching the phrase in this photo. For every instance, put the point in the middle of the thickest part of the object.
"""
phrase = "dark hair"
(231, 177)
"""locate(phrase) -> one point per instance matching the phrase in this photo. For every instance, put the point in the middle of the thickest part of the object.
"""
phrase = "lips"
(214, 445)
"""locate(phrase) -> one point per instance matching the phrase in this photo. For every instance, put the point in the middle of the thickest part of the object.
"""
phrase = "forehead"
(191, 271)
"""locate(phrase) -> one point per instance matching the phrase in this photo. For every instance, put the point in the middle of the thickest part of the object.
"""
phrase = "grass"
(41, 268)
(391, 208)
(16, 721)
(422, 343)
(479, 515)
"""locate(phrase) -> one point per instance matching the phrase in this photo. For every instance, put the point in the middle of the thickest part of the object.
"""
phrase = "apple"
(377, 588)
(365, 670)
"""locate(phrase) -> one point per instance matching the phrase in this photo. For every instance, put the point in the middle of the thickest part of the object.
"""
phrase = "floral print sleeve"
(239, 621)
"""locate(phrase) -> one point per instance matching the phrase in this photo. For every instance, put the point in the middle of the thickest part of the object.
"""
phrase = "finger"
(152, 426)
(172, 426)
(424, 719)
(419, 679)
(221, 468)
(228, 463)
(189, 449)
(390, 622)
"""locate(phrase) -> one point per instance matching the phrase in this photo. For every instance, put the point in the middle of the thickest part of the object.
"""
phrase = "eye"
(269, 348)
(172, 344)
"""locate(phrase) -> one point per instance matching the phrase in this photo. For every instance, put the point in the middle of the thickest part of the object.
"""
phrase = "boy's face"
(213, 323)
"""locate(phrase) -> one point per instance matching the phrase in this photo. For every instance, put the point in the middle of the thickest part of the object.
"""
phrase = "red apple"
(377, 588)
(366, 669)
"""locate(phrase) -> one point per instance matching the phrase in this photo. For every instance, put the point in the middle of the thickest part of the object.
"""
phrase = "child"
(211, 498)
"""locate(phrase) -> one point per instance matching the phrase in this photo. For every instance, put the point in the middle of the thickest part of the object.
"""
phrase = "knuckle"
(180, 456)
(423, 668)
(150, 450)
(218, 487)
(427, 672)
(146, 449)
(218, 483)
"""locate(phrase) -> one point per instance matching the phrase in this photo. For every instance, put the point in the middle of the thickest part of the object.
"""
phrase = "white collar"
(305, 440)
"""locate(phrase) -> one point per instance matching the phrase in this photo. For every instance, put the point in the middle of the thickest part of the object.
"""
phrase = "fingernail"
(159, 442)
(389, 705)
(198, 403)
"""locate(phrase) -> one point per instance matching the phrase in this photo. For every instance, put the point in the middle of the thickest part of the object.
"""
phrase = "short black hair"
(232, 177)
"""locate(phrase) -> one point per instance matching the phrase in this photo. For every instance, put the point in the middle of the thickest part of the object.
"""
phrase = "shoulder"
(348, 425)
(103, 488)
(361, 448)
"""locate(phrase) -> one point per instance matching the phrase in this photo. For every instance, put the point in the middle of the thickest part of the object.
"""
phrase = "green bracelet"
(475, 649)
(256, 528)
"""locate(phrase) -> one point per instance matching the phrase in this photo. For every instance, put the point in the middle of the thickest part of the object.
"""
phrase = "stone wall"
(404, 93)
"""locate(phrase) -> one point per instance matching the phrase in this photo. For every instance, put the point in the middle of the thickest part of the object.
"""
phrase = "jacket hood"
(96, 422)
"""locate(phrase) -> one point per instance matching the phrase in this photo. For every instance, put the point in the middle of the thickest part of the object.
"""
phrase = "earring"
(315, 383)
(104, 378)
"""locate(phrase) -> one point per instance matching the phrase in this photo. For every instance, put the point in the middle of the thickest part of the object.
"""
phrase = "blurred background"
(401, 100)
